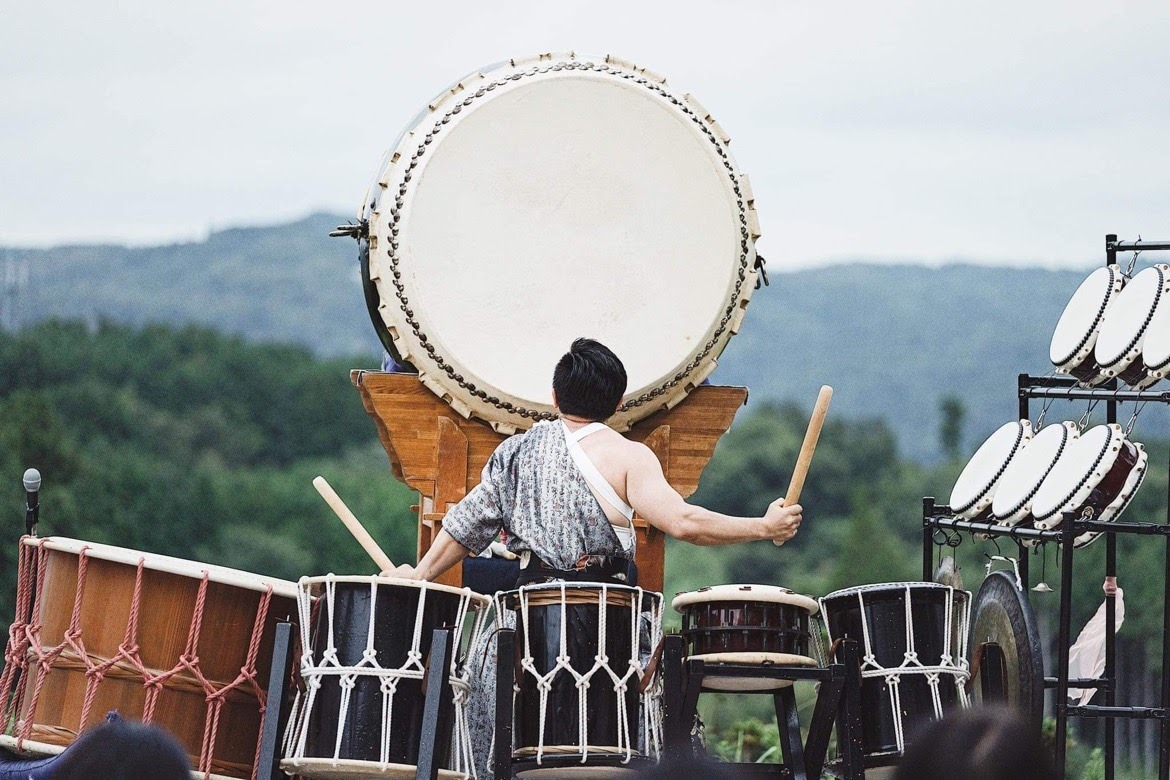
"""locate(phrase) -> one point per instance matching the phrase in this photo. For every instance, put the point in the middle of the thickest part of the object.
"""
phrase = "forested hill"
(892, 340)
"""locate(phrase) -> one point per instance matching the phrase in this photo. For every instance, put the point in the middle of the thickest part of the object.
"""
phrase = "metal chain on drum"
(428, 139)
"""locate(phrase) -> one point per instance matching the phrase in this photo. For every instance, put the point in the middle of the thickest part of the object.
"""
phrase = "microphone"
(32, 488)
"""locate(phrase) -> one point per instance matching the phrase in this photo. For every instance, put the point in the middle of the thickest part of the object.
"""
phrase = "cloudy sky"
(1012, 132)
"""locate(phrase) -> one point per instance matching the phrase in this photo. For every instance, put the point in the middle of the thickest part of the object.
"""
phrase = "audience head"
(121, 750)
(985, 743)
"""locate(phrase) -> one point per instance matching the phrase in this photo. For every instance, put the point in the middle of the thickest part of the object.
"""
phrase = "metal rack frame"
(936, 517)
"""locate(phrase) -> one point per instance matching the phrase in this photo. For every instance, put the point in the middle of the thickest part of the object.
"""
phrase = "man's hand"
(402, 572)
(781, 522)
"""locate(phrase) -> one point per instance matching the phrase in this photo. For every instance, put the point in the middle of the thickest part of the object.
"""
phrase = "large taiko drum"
(545, 198)
(181, 644)
(1012, 504)
(360, 712)
(761, 625)
(913, 639)
(585, 692)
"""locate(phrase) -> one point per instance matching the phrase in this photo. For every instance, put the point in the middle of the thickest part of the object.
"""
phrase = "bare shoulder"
(638, 455)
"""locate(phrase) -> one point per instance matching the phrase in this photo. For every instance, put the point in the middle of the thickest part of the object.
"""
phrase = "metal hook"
(1084, 421)
(1043, 411)
(1132, 420)
(1133, 259)
(995, 541)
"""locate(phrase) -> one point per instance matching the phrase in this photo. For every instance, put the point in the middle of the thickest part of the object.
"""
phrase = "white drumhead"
(1076, 331)
(1084, 464)
(310, 584)
(1156, 346)
(167, 564)
(723, 683)
(976, 485)
(1024, 475)
(1123, 331)
(553, 199)
(767, 593)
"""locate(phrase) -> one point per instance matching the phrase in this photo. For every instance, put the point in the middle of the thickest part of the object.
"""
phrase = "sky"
(995, 132)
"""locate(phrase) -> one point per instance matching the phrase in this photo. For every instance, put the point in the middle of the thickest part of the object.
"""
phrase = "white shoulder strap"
(590, 472)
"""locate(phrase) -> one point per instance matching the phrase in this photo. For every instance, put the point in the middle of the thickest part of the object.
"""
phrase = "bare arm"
(661, 506)
(444, 553)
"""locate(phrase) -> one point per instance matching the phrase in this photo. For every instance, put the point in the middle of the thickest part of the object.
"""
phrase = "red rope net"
(27, 654)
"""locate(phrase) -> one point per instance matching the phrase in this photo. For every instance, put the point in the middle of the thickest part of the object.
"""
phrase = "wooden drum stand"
(441, 454)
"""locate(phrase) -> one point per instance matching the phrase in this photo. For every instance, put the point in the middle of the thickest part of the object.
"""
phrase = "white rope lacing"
(314, 672)
(951, 663)
(641, 604)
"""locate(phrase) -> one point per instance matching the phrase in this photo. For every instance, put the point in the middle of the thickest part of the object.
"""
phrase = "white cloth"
(597, 481)
(1086, 658)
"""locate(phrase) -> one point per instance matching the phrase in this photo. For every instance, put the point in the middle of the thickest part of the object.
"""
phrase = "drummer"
(565, 492)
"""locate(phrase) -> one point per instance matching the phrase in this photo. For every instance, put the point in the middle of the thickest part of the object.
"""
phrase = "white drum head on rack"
(553, 198)
(1156, 346)
(772, 594)
(976, 485)
(1124, 329)
(1076, 331)
(1027, 471)
(1076, 474)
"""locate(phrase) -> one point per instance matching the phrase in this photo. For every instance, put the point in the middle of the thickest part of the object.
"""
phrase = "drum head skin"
(552, 198)
(766, 593)
(975, 488)
(1076, 331)
(1027, 471)
(1076, 474)
(1156, 346)
(1001, 614)
(1123, 331)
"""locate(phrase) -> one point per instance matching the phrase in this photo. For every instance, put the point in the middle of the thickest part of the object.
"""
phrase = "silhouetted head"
(985, 743)
(121, 750)
(589, 381)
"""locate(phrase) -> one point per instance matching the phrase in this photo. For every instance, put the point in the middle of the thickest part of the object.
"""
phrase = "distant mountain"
(892, 340)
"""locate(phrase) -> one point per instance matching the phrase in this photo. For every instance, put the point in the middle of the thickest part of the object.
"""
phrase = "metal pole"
(927, 539)
(1110, 673)
(1110, 248)
(1063, 640)
(1022, 382)
(1164, 730)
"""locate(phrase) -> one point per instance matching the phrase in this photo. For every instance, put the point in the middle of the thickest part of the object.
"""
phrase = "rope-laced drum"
(1076, 332)
(363, 663)
(976, 486)
(749, 624)
(182, 644)
(913, 638)
(1099, 475)
(539, 200)
(1119, 345)
(583, 688)
(1022, 478)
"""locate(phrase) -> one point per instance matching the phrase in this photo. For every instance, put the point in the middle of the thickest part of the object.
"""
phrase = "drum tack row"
(189, 646)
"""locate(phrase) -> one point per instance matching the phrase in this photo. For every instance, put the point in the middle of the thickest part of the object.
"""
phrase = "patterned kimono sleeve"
(475, 520)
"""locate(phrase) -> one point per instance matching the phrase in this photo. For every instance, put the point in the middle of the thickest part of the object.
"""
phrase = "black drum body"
(745, 627)
(541, 634)
(394, 620)
(880, 611)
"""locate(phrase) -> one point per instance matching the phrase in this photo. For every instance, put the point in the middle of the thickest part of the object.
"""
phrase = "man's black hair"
(589, 380)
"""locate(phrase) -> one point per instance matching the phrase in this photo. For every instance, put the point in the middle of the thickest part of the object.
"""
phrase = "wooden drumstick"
(796, 485)
(351, 522)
